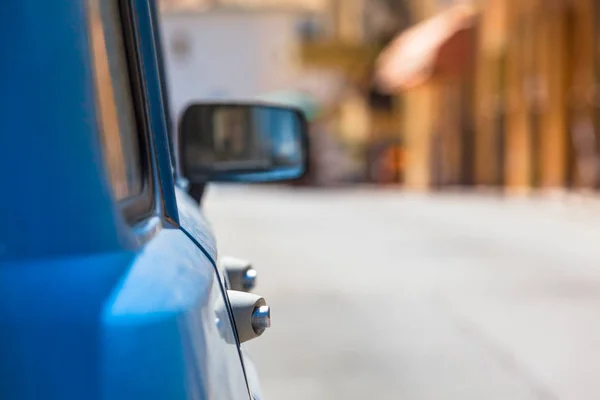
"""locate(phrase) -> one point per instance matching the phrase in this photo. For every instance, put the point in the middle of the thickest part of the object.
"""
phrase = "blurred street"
(388, 295)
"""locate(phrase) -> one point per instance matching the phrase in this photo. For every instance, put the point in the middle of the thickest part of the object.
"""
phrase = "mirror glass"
(242, 142)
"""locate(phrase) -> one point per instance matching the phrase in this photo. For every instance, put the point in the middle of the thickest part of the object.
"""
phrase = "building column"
(419, 115)
(554, 60)
(518, 145)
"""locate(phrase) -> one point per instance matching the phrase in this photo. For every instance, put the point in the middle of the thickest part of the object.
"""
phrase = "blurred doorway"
(583, 73)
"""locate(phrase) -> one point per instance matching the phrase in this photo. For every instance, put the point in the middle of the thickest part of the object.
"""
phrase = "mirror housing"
(237, 142)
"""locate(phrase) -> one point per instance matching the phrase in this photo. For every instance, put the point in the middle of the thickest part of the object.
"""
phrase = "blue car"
(110, 282)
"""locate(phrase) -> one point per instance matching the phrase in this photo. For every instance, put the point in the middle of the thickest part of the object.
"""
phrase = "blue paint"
(91, 307)
(162, 319)
(48, 139)
(196, 225)
(50, 313)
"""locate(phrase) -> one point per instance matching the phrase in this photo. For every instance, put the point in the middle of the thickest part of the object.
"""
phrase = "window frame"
(141, 206)
(138, 207)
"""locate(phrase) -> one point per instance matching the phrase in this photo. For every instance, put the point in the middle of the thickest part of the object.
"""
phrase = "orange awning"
(440, 46)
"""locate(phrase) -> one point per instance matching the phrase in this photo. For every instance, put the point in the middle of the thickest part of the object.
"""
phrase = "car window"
(119, 131)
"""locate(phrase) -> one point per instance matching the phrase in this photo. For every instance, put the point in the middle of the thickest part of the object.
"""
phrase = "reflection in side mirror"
(242, 142)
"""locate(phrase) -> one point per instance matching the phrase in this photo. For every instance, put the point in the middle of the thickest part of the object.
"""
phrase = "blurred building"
(430, 66)
(544, 56)
(323, 47)
(504, 95)
(251, 49)
(432, 93)
(365, 119)
(230, 49)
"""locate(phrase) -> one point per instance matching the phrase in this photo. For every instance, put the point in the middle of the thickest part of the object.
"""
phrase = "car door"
(167, 330)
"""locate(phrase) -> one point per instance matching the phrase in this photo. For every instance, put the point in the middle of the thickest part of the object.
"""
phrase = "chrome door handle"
(240, 273)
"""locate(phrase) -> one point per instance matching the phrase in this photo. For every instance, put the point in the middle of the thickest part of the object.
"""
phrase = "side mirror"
(242, 142)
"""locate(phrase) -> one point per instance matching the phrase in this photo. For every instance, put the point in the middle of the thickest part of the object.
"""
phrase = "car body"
(109, 281)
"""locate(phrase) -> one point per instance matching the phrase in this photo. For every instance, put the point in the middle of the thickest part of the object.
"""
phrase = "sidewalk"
(558, 197)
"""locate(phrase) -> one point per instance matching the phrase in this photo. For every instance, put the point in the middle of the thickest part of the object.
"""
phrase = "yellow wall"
(489, 95)
(581, 81)
(518, 62)
(418, 123)
(418, 118)
(553, 62)
(349, 23)
(557, 56)
(522, 44)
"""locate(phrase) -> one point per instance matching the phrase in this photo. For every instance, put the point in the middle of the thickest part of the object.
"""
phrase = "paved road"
(384, 295)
